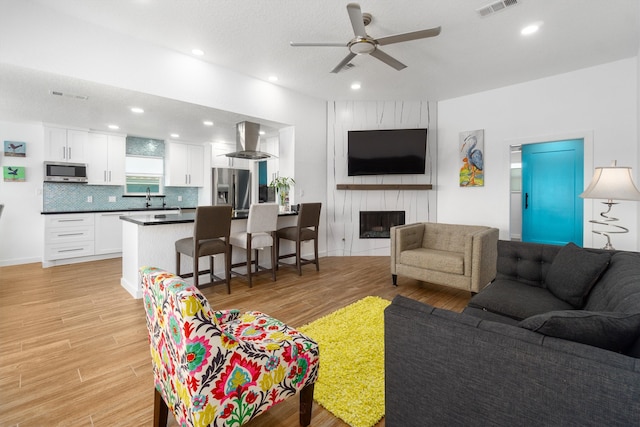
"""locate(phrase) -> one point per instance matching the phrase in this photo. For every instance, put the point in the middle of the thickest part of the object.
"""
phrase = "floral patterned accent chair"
(221, 368)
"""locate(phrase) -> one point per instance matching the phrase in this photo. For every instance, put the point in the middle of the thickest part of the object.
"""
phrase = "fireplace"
(377, 224)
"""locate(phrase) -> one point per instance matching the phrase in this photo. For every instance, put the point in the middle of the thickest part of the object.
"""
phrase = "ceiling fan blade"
(357, 22)
(343, 63)
(296, 44)
(397, 38)
(388, 59)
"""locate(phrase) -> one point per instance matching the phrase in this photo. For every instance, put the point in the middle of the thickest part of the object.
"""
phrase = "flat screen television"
(386, 151)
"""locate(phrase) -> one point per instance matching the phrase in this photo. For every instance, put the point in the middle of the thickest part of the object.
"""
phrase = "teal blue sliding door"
(552, 179)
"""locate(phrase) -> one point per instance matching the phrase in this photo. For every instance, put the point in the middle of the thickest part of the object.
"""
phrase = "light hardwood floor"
(74, 349)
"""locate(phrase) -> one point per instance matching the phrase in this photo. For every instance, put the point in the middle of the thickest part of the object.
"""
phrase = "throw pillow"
(607, 330)
(573, 273)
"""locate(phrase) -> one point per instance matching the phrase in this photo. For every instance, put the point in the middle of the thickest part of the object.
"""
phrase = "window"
(144, 173)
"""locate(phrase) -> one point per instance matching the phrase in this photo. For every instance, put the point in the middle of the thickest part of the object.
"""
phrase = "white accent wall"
(344, 206)
(600, 101)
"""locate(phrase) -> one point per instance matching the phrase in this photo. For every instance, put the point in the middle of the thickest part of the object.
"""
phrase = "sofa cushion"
(619, 287)
(610, 331)
(517, 300)
(431, 259)
(573, 273)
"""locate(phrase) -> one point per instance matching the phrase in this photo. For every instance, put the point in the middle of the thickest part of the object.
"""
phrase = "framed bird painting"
(14, 173)
(472, 158)
(15, 149)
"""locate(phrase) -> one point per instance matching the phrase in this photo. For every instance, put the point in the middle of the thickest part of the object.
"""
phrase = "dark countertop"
(188, 217)
(153, 208)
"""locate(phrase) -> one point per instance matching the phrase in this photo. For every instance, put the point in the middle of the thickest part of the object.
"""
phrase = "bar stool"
(305, 229)
(260, 233)
(210, 237)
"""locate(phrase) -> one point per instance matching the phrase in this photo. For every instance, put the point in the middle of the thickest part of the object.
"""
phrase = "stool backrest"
(309, 215)
(263, 217)
(212, 222)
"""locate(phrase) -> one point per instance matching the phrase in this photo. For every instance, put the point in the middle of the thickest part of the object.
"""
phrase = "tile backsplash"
(66, 197)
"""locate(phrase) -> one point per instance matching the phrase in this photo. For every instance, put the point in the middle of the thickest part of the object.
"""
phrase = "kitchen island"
(149, 240)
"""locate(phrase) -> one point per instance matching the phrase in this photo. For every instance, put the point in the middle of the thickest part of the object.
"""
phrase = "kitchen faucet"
(148, 198)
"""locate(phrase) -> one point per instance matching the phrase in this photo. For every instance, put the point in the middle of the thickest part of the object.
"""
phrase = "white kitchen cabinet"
(65, 145)
(218, 157)
(184, 165)
(108, 232)
(106, 159)
(68, 236)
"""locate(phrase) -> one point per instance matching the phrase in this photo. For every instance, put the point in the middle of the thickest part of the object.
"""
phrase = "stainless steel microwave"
(65, 172)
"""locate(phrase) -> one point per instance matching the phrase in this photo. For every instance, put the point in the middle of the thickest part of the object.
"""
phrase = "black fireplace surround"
(377, 224)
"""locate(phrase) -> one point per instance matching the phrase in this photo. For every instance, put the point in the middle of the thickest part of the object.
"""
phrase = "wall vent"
(68, 95)
(496, 6)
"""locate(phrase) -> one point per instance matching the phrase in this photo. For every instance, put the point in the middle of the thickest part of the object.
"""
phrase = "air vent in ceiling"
(496, 6)
(68, 95)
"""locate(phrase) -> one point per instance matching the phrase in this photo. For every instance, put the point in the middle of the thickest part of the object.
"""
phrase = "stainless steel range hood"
(247, 142)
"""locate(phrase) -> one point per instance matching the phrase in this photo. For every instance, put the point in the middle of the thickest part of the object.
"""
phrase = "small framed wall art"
(15, 149)
(14, 173)
(472, 158)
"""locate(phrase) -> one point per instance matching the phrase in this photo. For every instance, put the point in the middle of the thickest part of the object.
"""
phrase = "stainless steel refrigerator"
(231, 187)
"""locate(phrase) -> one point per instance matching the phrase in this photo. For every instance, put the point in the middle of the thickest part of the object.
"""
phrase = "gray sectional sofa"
(554, 340)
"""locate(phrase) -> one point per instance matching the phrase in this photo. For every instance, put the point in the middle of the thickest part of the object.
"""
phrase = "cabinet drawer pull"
(71, 250)
(71, 220)
(70, 234)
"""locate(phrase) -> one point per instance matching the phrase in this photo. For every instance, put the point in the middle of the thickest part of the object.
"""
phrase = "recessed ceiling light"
(175, 135)
(273, 78)
(114, 127)
(197, 52)
(355, 85)
(137, 110)
(208, 123)
(262, 132)
(530, 29)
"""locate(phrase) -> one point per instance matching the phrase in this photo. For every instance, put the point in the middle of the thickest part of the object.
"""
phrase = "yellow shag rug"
(351, 379)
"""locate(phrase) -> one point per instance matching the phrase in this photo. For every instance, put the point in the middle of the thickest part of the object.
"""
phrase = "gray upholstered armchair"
(459, 256)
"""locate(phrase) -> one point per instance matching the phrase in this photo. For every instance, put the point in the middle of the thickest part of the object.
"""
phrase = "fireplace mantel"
(384, 186)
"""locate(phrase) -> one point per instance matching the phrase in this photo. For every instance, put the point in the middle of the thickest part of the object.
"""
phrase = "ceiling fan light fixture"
(362, 46)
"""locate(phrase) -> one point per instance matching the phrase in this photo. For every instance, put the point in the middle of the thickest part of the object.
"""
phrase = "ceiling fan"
(363, 44)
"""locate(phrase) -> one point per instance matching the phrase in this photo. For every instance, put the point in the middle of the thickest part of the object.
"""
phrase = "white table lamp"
(611, 183)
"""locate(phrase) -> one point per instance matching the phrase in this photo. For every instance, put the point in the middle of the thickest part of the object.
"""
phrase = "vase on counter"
(282, 184)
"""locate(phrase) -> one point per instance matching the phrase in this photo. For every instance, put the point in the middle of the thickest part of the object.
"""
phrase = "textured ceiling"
(471, 54)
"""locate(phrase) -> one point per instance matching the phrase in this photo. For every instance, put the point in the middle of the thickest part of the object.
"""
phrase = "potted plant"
(282, 184)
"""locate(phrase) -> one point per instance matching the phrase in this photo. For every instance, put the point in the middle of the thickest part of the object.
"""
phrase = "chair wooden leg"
(276, 241)
(274, 258)
(249, 261)
(256, 260)
(306, 404)
(196, 267)
(161, 410)
(298, 258)
(315, 248)
(227, 273)
(177, 263)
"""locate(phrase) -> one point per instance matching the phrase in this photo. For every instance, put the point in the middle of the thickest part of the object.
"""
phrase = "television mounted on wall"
(386, 151)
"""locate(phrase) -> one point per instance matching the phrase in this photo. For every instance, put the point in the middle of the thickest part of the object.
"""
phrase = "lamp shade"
(612, 183)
